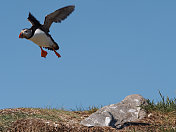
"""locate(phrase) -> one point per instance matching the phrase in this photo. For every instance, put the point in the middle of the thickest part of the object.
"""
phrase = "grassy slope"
(161, 117)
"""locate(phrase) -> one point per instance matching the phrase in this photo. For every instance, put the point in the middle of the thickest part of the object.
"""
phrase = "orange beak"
(21, 35)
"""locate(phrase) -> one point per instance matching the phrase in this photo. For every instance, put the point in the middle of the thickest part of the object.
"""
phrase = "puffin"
(39, 33)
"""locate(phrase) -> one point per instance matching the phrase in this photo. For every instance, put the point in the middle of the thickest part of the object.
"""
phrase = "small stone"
(149, 115)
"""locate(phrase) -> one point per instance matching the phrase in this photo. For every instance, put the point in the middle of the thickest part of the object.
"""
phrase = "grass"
(163, 115)
(165, 105)
(10, 116)
(89, 110)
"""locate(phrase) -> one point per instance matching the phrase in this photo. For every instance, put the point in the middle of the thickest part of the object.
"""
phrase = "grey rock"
(116, 115)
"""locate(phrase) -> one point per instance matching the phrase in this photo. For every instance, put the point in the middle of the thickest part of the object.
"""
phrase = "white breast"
(41, 39)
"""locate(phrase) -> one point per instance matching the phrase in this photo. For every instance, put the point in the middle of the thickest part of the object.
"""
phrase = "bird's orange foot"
(58, 55)
(43, 53)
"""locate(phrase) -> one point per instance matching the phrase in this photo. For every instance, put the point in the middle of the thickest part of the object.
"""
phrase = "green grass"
(164, 105)
(168, 130)
(7, 118)
(89, 110)
(164, 112)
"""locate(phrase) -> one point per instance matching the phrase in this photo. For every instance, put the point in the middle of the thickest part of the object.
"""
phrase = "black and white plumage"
(39, 33)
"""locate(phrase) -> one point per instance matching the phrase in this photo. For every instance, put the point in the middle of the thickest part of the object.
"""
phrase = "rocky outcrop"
(116, 115)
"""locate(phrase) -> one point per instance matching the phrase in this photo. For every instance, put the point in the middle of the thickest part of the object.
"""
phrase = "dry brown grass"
(157, 122)
(53, 120)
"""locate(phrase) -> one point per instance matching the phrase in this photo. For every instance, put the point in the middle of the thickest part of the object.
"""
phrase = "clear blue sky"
(110, 49)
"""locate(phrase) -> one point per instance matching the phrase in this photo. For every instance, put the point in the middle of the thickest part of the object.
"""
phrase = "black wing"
(33, 20)
(57, 16)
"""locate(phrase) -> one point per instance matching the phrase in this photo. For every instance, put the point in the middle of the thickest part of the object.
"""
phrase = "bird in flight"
(39, 33)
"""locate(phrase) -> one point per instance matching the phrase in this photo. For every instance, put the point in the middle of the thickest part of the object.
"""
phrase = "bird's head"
(25, 33)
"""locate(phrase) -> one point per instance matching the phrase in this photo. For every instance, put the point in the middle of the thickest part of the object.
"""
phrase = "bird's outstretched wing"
(33, 20)
(57, 16)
